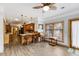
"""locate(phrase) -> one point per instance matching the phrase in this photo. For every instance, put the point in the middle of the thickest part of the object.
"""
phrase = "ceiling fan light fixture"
(46, 8)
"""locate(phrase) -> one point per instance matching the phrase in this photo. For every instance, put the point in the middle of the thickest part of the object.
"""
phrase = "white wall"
(1, 34)
(1, 29)
(65, 18)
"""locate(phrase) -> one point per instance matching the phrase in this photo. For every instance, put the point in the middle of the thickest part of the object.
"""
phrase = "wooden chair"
(28, 39)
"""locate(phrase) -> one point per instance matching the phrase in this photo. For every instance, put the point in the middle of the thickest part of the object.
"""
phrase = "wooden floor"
(35, 49)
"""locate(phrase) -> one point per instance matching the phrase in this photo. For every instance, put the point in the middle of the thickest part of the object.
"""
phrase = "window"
(55, 30)
(49, 30)
(58, 31)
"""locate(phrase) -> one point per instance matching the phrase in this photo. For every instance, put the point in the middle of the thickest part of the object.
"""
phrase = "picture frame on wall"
(40, 26)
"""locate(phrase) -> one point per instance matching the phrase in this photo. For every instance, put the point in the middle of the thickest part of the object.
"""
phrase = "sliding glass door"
(75, 33)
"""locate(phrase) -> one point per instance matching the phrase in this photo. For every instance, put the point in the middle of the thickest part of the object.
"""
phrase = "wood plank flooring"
(35, 49)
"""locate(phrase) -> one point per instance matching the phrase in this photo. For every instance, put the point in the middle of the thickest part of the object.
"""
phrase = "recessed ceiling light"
(21, 14)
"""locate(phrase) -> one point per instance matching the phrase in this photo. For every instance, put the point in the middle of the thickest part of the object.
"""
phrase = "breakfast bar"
(29, 38)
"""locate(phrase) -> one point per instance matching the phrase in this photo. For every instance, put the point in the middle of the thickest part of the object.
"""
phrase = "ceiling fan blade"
(53, 7)
(37, 7)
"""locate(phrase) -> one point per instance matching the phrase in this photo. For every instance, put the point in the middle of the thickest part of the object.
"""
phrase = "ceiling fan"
(50, 6)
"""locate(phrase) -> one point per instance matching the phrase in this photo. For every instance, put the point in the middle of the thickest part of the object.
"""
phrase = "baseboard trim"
(58, 44)
(63, 45)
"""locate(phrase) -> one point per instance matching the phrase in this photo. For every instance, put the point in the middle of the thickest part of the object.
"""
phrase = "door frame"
(69, 31)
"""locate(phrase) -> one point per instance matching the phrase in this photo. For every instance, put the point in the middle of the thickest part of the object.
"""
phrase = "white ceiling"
(16, 9)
